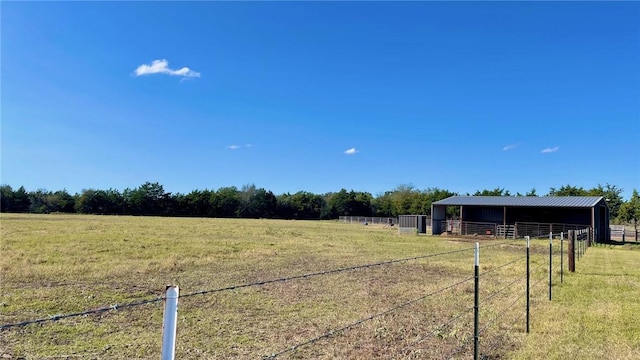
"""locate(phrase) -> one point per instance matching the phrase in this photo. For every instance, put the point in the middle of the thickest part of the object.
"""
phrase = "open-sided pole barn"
(518, 216)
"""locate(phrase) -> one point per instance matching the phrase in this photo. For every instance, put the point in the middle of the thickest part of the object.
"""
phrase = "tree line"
(151, 199)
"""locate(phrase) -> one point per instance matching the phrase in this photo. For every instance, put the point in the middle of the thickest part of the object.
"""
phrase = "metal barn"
(410, 224)
(517, 216)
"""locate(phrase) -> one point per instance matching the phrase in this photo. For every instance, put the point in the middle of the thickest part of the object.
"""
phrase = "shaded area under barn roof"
(526, 201)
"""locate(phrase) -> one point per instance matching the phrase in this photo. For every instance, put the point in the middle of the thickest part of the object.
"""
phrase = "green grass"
(59, 264)
(595, 314)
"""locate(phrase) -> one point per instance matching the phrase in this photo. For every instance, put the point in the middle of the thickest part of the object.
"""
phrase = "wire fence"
(369, 220)
(620, 233)
(501, 290)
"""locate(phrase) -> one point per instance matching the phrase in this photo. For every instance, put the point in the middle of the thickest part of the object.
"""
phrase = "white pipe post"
(528, 282)
(170, 322)
(476, 303)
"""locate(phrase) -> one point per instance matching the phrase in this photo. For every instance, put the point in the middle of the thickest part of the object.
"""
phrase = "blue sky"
(320, 96)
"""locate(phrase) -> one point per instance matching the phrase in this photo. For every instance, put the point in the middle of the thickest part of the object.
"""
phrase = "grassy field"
(61, 264)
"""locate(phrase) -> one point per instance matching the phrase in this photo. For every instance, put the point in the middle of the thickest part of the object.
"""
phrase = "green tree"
(347, 203)
(568, 190)
(225, 202)
(6, 198)
(531, 192)
(285, 208)
(261, 204)
(630, 211)
(65, 201)
(195, 203)
(148, 199)
(91, 201)
(306, 205)
(42, 201)
(612, 196)
(495, 192)
(382, 205)
(405, 199)
(21, 201)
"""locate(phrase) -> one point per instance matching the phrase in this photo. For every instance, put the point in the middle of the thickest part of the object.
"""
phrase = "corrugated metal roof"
(525, 201)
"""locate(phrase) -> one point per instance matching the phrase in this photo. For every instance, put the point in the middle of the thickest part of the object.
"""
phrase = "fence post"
(571, 251)
(527, 237)
(561, 258)
(170, 322)
(550, 261)
(476, 302)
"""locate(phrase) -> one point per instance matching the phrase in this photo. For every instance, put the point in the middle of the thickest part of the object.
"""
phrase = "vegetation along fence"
(469, 310)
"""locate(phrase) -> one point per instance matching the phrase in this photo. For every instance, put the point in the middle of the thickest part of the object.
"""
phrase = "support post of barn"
(571, 251)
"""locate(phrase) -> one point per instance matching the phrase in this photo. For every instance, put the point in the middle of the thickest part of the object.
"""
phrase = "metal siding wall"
(483, 214)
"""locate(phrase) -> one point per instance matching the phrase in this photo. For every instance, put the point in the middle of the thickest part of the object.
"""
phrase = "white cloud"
(236, 147)
(511, 147)
(550, 150)
(162, 67)
(351, 151)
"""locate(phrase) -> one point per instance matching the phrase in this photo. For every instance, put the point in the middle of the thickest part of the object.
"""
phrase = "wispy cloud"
(162, 67)
(236, 147)
(351, 151)
(511, 146)
(550, 150)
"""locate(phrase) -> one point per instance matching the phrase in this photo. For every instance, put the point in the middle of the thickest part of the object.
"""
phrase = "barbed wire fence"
(490, 302)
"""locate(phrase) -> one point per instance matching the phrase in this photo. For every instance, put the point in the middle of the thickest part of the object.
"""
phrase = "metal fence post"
(561, 258)
(550, 261)
(528, 276)
(476, 302)
(170, 322)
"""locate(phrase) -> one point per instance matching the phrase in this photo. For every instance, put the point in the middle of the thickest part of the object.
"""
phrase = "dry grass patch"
(57, 264)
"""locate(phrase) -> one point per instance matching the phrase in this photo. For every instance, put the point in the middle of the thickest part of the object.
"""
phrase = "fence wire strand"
(319, 273)
(82, 313)
(495, 293)
(499, 315)
(436, 330)
(368, 318)
(496, 343)
(349, 326)
(502, 266)
(228, 288)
